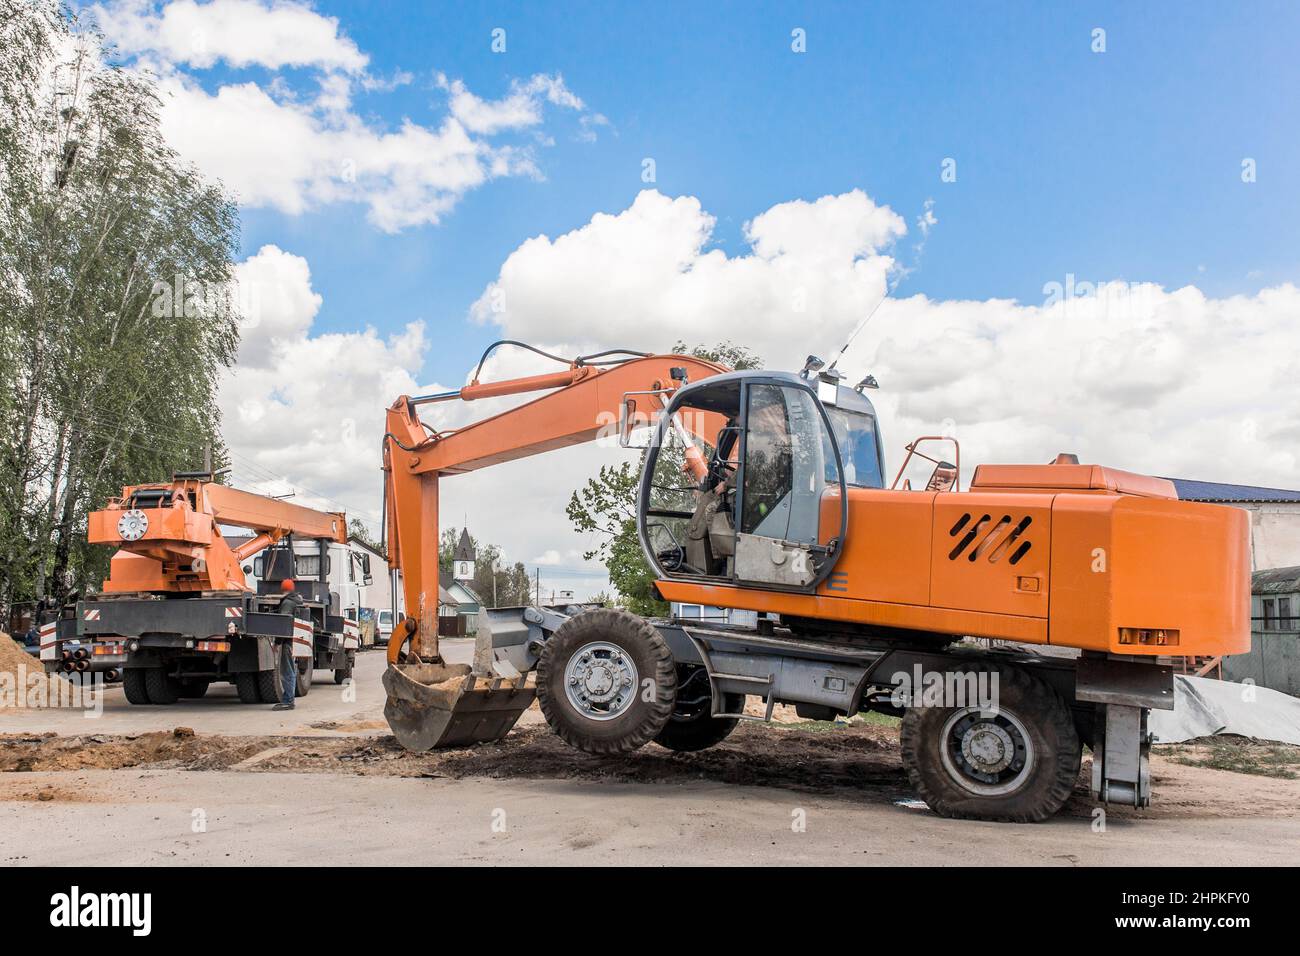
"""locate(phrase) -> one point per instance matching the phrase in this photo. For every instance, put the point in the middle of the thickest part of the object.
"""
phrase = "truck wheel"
(133, 684)
(246, 685)
(303, 684)
(606, 682)
(345, 673)
(162, 688)
(1018, 764)
(194, 687)
(268, 685)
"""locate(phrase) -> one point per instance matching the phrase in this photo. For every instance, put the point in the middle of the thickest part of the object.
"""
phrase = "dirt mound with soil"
(23, 676)
(849, 759)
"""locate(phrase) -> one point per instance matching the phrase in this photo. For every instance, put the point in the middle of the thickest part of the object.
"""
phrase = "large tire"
(268, 685)
(1044, 752)
(606, 714)
(692, 727)
(345, 673)
(194, 687)
(133, 683)
(302, 685)
(246, 685)
(162, 688)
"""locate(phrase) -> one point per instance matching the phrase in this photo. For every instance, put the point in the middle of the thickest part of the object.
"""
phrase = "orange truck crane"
(177, 613)
(1009, 624)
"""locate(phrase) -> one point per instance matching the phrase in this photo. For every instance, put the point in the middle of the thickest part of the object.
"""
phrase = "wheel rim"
(989, 754)
(600, 680)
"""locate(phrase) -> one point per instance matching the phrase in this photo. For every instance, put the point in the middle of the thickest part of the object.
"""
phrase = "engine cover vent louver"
(989, 538)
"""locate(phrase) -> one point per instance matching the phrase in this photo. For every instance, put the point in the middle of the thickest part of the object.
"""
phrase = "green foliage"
(105, 380)
(735, 357)
(605, 507)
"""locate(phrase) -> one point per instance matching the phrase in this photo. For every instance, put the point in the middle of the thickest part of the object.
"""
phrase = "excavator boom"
(431, 703)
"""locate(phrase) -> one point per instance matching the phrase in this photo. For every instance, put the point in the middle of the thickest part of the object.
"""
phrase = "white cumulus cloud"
(242, 33)
(275, 146)
(306, 406)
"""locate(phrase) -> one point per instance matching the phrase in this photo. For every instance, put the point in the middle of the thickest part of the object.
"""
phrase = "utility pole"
(539, 584)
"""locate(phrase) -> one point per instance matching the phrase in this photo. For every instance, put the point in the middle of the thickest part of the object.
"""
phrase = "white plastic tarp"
(1205, 707)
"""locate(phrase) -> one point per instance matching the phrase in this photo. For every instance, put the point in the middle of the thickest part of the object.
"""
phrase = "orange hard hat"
(286, 584)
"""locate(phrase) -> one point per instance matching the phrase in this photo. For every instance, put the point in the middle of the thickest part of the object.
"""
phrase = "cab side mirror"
(635, 427)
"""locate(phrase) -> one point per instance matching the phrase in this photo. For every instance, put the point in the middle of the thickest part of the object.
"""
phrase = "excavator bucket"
(437, 705)
(456, 705)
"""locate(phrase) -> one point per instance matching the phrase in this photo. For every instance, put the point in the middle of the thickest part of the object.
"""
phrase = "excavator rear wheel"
(606, 682)
(1017, 763)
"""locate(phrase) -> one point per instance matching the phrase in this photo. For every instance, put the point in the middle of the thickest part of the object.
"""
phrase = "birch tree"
(116, 306)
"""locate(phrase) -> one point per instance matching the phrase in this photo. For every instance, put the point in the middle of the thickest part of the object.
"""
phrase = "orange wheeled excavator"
(177, 614)
(1009, 624)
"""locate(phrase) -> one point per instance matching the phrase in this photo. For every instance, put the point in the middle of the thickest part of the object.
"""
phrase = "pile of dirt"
(852, 758)
(23, 677)
(179, 749)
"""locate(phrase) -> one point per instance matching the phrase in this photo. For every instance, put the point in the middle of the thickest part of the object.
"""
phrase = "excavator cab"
(783, 450)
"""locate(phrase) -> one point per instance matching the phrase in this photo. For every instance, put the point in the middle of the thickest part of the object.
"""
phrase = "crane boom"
(169, 535)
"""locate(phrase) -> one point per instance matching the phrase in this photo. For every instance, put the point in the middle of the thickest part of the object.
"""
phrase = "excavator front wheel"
(1017, 762)
(606, 682)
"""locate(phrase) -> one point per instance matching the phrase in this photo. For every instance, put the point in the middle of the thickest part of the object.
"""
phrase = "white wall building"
(1274, 518)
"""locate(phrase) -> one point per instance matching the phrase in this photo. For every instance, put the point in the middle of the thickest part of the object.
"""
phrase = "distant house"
(708, 614)
(1274, 658)
(1274, 517)
(456, 599)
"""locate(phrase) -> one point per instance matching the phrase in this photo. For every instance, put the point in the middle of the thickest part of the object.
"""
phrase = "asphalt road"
(149, 818)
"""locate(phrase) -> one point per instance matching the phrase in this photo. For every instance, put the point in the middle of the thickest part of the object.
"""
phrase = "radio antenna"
(860, 326)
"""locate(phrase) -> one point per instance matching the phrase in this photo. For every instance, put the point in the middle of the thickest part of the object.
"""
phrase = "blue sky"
(1123, 164)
